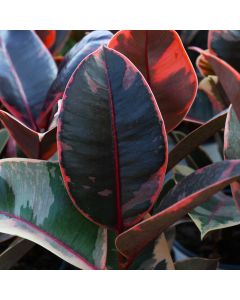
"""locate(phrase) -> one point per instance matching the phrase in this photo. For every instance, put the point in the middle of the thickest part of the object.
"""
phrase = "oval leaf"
(191, 192)
(162, 59)
(34, 205)
(111, 141)
(27, 70)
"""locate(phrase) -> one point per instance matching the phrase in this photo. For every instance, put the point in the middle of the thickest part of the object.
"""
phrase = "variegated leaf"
(71, 60)
(228, 77)
(191, 192)
(213, 89)
(232, 148)
(34, 205)
(111, 141)
(27, 70)
(155, 256)
(162, 59)
(218, 212)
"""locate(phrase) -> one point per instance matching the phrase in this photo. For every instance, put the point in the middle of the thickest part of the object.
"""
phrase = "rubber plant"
(105, 204)
(31, 85)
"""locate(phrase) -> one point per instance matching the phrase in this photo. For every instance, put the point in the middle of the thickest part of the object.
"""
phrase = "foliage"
(98, 137)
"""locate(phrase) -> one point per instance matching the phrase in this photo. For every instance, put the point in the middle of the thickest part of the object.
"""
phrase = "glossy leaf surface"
(232, 136)
(34, 205)
(231, 148)
(218, 212)
(111, 141)
(162, 59)
(71, 60)
(191, 192)
(27, 70)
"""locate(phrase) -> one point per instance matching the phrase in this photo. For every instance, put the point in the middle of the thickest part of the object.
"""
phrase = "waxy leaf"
(162, 59)
(165, 189)
(226, 45)
(27, 70)
(71, 60)
(232, 135)
(196, 138)
(218, 212)
(232, 148)
(155, 256)
(47, 36)
(32, 143)
(90, 43)
(228, 77)
(111, 141)
(191, 192)
(34, 205)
